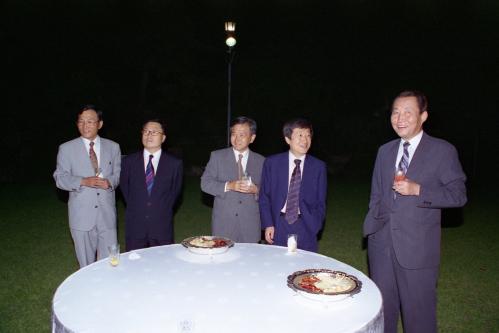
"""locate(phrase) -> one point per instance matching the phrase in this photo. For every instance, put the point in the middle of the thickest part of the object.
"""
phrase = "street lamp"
(230, 40)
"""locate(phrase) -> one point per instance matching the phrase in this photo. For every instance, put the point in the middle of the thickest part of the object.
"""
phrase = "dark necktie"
(240, 171)
(93, 158)
(149, 175)
(404, 161)
(293, 200)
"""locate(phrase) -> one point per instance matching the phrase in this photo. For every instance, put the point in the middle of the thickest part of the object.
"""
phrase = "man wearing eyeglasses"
(88, 168)
(151, 181)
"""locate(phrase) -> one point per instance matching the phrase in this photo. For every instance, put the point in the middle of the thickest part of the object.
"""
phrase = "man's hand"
(242, 186)
(406, 187)
(269, 234)
(95, 182)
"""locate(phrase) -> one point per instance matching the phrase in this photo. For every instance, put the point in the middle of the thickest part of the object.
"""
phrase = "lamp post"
(230, 41)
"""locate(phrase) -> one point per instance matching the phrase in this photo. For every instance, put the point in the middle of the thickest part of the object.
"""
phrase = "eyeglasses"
(153, 133)
(87, 122)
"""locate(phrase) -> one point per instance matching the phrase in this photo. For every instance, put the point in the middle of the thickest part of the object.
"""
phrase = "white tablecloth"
(245, 289)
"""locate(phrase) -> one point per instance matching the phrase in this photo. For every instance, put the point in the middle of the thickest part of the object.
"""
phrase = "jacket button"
(98, 193)
(240, 202)
(237, 214)
(96, 206)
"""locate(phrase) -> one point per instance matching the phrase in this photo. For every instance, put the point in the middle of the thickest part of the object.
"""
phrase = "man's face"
(88, 124)
(300, 142)
(152, 136)
(406, 119)
(241, 137)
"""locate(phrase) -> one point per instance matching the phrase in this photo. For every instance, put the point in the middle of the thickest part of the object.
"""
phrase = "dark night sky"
(338, 63)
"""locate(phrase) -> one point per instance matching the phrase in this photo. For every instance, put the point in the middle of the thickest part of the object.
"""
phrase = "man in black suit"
(403, 222)
(151, 181)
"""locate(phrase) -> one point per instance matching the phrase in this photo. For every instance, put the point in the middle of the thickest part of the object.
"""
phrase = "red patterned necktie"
(293, 200)
(93, 158)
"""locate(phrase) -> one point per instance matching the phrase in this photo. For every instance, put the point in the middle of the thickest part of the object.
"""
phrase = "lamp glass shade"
(230, 26)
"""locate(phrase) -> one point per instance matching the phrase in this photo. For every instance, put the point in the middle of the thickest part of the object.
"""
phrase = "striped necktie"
(149, 175)
(293, 200)
(404, 161)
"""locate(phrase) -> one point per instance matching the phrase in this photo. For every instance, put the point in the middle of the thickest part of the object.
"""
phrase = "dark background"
(338, 63)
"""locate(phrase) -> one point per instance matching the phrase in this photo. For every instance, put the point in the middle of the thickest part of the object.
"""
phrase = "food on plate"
(323, 281)
(208, 242)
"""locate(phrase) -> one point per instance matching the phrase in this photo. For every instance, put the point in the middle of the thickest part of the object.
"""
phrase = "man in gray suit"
(227, 177)
(403, 222)
(88, 168)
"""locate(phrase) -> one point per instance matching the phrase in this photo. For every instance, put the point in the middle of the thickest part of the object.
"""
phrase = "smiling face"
(88, 124)
(153, 136)
(407, 120)
(241, 137)
(300, 141)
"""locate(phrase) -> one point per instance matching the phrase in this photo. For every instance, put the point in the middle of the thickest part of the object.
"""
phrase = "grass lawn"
(37, 253)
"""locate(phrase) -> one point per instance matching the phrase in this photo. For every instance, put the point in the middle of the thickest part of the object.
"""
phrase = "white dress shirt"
(96, 147)
(244, 162)
(155, 160)
(292, 166)
(414, 142)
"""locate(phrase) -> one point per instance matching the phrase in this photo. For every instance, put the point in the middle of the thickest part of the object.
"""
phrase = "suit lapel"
(105, 159)
(231, 164)
(419, 158)
(85, 158)
(284, 177)
(250, 164)
(161, 173)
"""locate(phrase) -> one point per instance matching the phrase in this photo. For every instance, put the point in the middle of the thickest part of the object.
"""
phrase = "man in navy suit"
(403, 222)
(293, 190)
(151, 181)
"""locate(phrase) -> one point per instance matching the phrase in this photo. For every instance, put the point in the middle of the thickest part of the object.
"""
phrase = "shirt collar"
(156, 154)
(293, 157)
(236, 153)
(414, 141)
(87, 141)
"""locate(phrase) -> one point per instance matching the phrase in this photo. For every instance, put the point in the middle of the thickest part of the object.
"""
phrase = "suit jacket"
(415, 220)
(312, 200)
(73, 164)
(150, 216)
(235, 215)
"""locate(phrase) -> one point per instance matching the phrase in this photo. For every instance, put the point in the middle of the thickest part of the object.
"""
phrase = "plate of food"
(207, 244)
(324, 284)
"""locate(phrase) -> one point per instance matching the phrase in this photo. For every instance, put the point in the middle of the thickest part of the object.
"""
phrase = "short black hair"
(420, 97)
(92, 107)
(161, 123)
(290, 125)
(244, 120)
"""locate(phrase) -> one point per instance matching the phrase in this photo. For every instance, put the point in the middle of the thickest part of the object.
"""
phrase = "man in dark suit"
(150, 181)
(235, 209)
(293, 190)
(403, 222)
(88, 168)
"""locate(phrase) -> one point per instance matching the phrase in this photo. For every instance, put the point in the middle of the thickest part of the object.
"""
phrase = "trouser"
(93, 243)
(410, 291)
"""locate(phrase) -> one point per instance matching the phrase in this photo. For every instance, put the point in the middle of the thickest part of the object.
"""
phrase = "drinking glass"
(399, 175)
(246, 177)
(292, 243)
(114, 254)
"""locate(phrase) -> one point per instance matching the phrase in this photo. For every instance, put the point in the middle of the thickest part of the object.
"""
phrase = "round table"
(169, 289)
